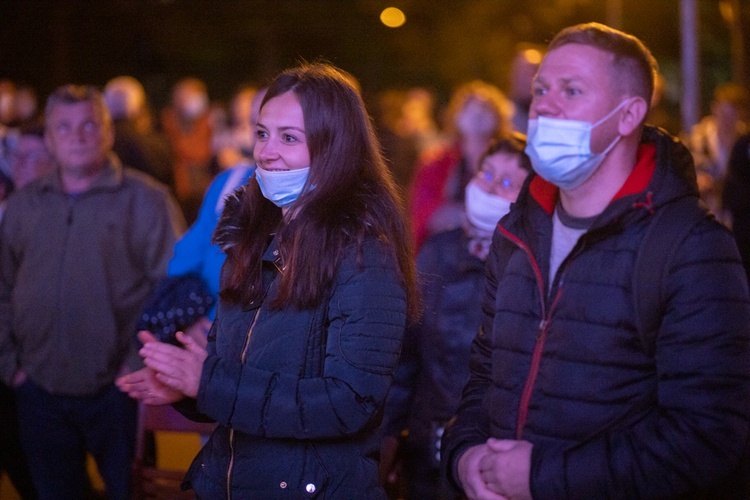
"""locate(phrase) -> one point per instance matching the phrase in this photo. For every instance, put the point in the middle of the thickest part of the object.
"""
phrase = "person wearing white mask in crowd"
(434, 364)
(585, 381)
(478, 113)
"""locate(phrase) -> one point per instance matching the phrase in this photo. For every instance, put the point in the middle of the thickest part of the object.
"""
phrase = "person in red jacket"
(478, 113)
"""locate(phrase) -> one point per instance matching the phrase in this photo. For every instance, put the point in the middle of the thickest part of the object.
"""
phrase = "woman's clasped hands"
(171, 372)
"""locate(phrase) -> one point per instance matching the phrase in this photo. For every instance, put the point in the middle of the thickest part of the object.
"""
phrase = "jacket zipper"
(536, 359)
(231, 430)
(541, 335)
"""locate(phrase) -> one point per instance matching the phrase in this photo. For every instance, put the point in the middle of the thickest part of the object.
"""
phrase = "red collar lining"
(546, 193)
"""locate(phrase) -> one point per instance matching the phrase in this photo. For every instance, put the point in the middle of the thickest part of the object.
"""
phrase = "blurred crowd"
(431, 147)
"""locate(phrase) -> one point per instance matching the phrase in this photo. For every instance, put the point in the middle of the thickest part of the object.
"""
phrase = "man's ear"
(634, 112)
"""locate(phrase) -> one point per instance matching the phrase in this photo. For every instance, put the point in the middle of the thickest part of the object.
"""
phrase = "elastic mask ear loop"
(609, 115)
(617, 139)
(611, 145)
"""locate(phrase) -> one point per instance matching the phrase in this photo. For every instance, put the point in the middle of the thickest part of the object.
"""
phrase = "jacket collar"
(110, 177)
(546, 194)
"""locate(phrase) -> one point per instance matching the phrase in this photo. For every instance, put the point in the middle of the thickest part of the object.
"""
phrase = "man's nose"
(543, 105)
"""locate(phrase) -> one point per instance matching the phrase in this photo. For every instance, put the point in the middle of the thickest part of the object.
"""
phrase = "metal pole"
(690, 101)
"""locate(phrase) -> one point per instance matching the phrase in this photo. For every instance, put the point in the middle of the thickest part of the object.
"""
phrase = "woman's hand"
(144, 386)
(198, 331)
(177, 368)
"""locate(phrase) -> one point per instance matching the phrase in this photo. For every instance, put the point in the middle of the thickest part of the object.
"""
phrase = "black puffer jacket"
(298, 394)
(567, 370)
(737, 196)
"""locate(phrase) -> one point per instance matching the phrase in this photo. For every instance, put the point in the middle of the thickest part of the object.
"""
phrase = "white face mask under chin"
(560, 150)
(483, 209)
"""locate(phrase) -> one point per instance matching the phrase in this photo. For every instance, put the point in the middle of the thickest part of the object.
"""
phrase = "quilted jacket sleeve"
(470, 426)
(697, 432)
(366, 321)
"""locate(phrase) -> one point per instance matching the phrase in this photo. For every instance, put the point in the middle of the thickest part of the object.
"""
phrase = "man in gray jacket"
(80, 251)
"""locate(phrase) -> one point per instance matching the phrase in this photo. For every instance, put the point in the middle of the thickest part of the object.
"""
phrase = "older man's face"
(79, 138)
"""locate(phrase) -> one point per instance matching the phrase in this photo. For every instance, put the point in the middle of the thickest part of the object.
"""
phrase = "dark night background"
(46, 43)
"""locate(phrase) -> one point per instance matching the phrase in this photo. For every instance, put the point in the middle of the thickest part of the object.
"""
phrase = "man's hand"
(506, 468)
(470, 476)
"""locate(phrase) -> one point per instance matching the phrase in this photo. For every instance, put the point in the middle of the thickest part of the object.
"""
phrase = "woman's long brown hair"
(349, 195)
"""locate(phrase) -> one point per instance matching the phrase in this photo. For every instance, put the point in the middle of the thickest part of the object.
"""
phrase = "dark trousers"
(12, 458)
(57, 431)
(422, 469)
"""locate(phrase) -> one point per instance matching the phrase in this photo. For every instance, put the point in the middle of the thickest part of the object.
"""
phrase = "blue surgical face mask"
(560, 150)
(282, 187)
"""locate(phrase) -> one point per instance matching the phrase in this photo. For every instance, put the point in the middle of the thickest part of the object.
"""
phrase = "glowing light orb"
(392, 17)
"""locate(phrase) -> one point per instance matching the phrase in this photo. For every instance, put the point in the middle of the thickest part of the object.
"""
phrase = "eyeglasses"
(503, 182)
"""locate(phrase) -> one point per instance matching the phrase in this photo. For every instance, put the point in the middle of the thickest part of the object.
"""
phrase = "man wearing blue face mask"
(569, 396)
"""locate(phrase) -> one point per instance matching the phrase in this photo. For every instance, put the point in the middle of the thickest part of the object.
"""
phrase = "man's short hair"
(633, 62)
(74, 94)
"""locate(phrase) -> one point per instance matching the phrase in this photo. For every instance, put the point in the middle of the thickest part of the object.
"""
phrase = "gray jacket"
(74, 274)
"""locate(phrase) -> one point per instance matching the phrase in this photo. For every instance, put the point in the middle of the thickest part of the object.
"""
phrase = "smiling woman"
(316, 293)
(281, 151)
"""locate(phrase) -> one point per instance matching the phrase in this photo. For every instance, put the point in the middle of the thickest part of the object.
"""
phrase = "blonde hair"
(487, 93)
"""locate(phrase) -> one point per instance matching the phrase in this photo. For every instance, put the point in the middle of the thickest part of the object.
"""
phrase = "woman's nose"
(265, 150)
